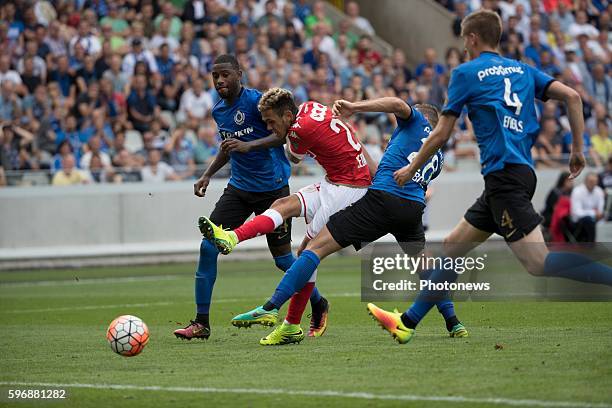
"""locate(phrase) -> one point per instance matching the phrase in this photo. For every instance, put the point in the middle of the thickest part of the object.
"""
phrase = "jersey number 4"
(511, 98)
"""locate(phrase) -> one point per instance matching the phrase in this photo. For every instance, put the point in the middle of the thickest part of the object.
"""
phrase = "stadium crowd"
(120, 90)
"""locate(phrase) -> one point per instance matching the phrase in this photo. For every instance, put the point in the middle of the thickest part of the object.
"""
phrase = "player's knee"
(285, 206)
(535, 268)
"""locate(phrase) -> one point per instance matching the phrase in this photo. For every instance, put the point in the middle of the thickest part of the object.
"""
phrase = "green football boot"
(256, 316)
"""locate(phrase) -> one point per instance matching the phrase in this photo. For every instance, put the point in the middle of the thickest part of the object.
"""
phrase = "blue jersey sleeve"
(541, 82)
(458, 93)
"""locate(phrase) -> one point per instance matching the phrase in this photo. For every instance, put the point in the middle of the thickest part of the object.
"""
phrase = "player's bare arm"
(200, 186)
(238, 146)
(438, 138)
(572, 101)
(372, 165)
(387, 105)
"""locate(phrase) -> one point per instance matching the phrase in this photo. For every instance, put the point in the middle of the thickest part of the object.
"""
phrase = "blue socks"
(426, 299)
(295, 278)
(577, 267)
(205, 276)
(284, 262)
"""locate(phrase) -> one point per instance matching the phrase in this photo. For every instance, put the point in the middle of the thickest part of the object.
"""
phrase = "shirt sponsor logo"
(237, 134)
(499, 70)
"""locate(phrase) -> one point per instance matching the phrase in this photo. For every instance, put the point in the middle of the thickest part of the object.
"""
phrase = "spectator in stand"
(163, 37)
(587, 208)
(115, 20)
(6, 73)
(10, 102)
(70, 133)
(601, 86)
(86, 39)
(605, 177)
(430, 61)
(138, 53)
(316, 17)
(352, 10)
(535, 49)
(196, 104)
(179, 150)
(601, 141)
(127, 167)
(294, 84)
(365, 51)
(86, 74)
(563, 188)
(207, 145)
(167, 12)
(39, 64)
(157, 171)
(581, 26)
(165, 63)
(118, 78)
(69, 174)
(29, 77)
(94, 147)
(64, 77)
(142, 107)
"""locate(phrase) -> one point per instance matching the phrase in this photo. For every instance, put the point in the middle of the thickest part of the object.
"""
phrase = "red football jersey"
(330, 141)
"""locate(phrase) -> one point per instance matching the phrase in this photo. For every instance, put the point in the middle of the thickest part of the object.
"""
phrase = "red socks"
(260, 225)
(298, 303)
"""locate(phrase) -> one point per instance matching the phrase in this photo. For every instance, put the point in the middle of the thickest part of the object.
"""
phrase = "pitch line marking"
(91, 281)
(322, 393)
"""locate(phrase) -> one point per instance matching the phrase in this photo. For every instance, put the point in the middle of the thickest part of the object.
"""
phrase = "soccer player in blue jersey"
(260, 176)
(385, 208)
(500, 97)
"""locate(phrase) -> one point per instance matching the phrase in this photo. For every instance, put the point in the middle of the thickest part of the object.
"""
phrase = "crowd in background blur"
(95, 91)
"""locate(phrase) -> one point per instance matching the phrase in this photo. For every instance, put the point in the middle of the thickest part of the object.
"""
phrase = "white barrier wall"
(40, 222)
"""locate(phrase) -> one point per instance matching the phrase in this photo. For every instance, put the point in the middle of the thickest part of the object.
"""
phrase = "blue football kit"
(257, 170)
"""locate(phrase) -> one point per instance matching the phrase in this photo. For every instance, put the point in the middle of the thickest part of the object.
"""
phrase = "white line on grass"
(92, 307)
(91, 281)
(331, 394)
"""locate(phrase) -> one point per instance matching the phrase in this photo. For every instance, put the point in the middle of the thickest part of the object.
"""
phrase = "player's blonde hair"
(431, 112)
(279, 100)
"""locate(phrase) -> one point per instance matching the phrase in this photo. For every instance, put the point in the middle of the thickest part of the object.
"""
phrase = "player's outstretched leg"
(256, 316)
(261, 224)
(391, 322)
(225, 241)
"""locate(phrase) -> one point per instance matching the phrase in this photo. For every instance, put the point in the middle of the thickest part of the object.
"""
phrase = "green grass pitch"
(53, 332)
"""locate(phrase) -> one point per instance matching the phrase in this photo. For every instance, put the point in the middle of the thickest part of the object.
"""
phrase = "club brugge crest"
(239, 118)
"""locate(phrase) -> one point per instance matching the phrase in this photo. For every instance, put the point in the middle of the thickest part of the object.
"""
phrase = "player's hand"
(402, 175)
(200, 186)
(576, 164)
(235, 145)
(343, 108)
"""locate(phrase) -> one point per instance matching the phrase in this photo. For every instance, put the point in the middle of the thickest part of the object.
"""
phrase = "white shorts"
(322, 200)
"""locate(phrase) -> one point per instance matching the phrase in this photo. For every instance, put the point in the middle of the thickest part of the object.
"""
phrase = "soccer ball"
(127, 335)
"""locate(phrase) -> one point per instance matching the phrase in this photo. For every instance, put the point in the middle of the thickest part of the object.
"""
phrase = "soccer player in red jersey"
(310, 129)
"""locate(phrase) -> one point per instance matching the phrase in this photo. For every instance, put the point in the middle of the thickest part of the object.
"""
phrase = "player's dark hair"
(484, 23)
(562, 177)
(279, 100)
(431, 112)
(227, 59)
